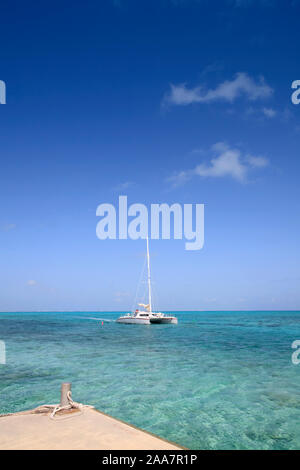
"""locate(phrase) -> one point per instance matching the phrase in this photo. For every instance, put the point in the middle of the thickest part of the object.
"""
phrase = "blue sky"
(164, 101)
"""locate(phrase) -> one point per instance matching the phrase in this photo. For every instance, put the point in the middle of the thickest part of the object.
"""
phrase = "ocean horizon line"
(165, 310)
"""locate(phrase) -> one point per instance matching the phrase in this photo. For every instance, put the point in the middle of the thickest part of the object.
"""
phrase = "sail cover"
(147, 307)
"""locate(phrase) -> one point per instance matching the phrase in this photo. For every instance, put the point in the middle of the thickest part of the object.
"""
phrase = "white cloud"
(257, 162)
(123, 186)
(262, 113)
(226, 162)
(31, 282)
(180, 178)
(227, 91)
(269, 112)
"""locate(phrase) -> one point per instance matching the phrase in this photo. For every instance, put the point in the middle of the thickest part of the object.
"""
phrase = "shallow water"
(217, 380)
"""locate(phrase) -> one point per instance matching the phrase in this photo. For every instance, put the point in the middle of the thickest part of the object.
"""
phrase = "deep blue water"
(217, 380)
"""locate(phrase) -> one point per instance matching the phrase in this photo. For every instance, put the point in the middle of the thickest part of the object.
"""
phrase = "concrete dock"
(75, 430)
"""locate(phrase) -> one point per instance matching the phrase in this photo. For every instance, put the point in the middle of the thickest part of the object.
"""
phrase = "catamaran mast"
(149, 278)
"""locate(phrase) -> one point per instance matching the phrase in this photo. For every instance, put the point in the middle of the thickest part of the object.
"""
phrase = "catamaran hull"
(165, 320)
(134, 321)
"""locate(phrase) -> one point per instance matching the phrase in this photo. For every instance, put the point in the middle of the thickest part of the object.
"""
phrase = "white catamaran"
(146, 316)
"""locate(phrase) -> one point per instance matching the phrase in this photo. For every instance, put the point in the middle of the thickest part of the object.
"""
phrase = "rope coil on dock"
(72, 405)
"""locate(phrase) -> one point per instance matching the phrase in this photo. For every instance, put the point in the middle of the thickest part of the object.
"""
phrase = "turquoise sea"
(217, 380)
